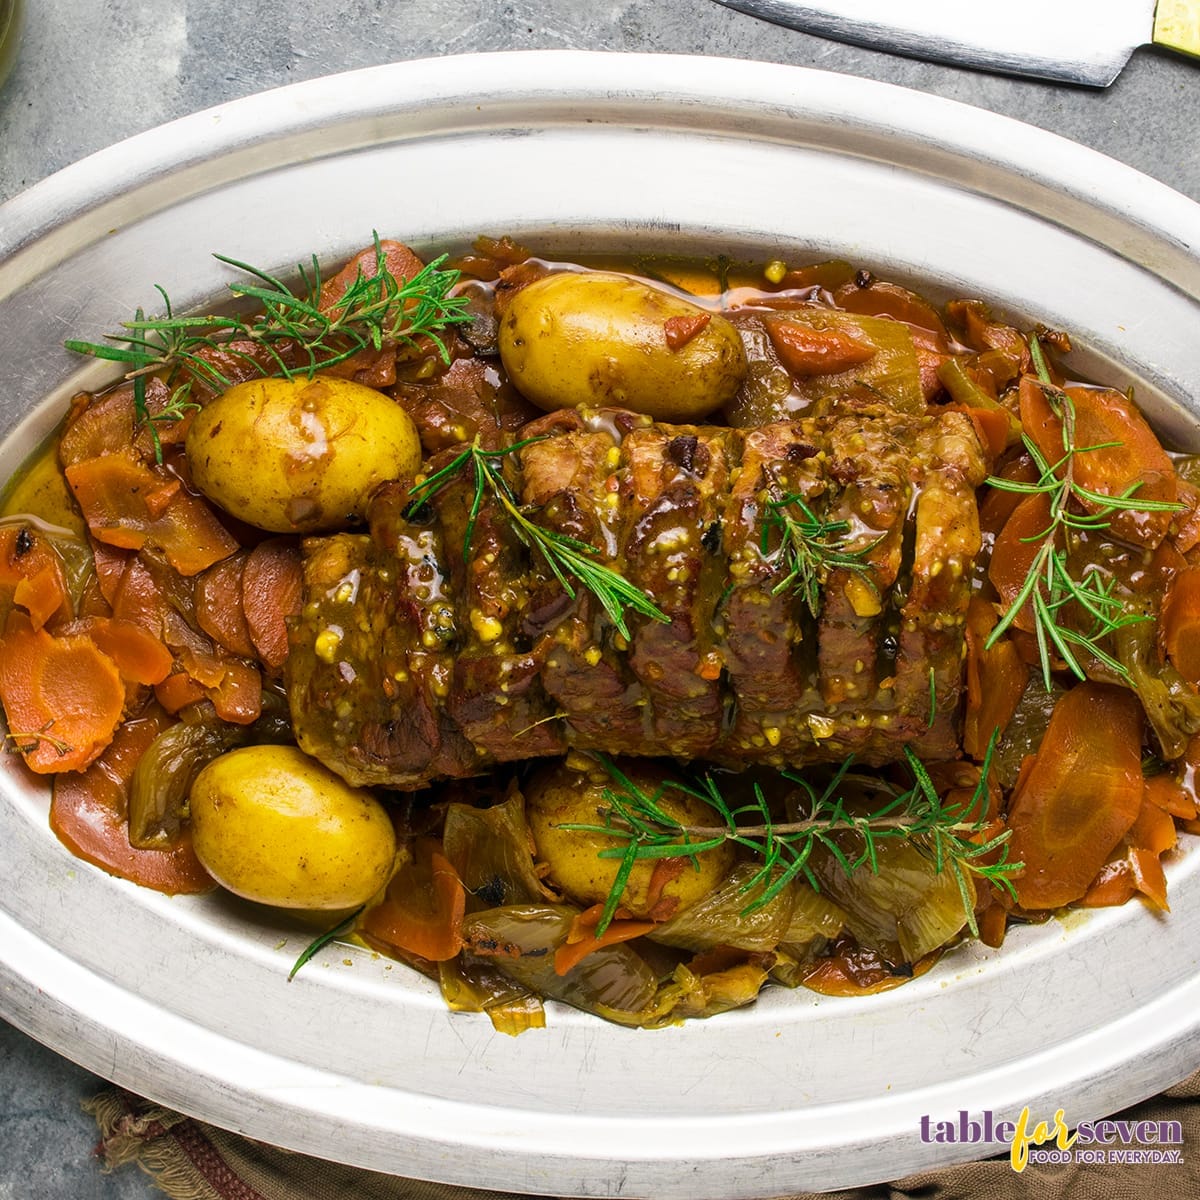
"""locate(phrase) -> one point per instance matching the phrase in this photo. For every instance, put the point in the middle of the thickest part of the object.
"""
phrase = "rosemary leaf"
(320, 942)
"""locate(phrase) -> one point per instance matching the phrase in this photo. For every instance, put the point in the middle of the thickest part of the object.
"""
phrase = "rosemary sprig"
(947, 834)
(323, 939)
(808, 548)
(375, 310)
(567, 557)
(1050, 588)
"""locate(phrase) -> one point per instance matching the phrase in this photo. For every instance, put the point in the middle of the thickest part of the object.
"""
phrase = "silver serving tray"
(187, 1001)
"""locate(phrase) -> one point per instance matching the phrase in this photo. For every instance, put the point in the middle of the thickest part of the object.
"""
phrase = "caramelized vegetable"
(1179, 624)
(996, 680)
(131, 505)
(520, 941)
(89, 813)
(162, 781)
(63, 696)
(421, 914)
(32, 575)
(1118, 453)
(1081, 794)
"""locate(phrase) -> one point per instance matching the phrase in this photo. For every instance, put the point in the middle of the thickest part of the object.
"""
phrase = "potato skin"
(273, 825)
(567, 794)
(596, 339)
(299, 455)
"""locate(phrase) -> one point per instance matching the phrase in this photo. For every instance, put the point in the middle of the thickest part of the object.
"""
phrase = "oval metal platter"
(188, 1001)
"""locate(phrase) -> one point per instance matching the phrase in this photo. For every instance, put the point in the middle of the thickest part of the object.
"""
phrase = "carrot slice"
(179, 690)
(1115, 450)
(139, 656)
(1187, 521)
(31, 568)
(1179, 624)
(993, 427)
(1016, 547)
(62, 696)
(237, 695)
(219, 610)
(272, 586)
(996, 679)
(423, 908)
(1112, 887)
(883, 299)
(130, 505)
(89, 814)
(1154, 830)
(1148, 876)
(1170, 793)
(1078, 798)
(998, 504)
(582, 939)
(806, 350)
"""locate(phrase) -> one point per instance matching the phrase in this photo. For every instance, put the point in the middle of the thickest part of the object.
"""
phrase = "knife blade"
(1070, 41)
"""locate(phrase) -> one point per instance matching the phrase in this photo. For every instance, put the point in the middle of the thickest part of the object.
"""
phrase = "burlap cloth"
(190, 1160)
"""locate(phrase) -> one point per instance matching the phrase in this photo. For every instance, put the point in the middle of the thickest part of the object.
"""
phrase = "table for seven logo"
(1110, 1141)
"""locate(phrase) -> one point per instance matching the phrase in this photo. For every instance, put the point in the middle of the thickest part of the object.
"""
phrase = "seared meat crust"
(413, 662)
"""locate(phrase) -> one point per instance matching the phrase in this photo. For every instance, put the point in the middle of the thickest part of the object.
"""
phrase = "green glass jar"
(10, 35)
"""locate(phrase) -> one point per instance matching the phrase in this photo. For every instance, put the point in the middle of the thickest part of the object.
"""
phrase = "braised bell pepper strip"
(89, 814)
(996, 678)
(1179, 624)
(130, 505)
(1116, 454)
(62, 696)
(1080, 795)
(32, 574)
(422, 910)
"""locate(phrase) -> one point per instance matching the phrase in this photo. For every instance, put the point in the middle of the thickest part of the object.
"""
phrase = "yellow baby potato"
(595, 339)
(299, 455)
(273, 825)
(566, 795)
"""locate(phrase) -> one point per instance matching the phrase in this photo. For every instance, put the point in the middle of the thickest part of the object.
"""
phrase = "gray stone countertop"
(89, 74)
